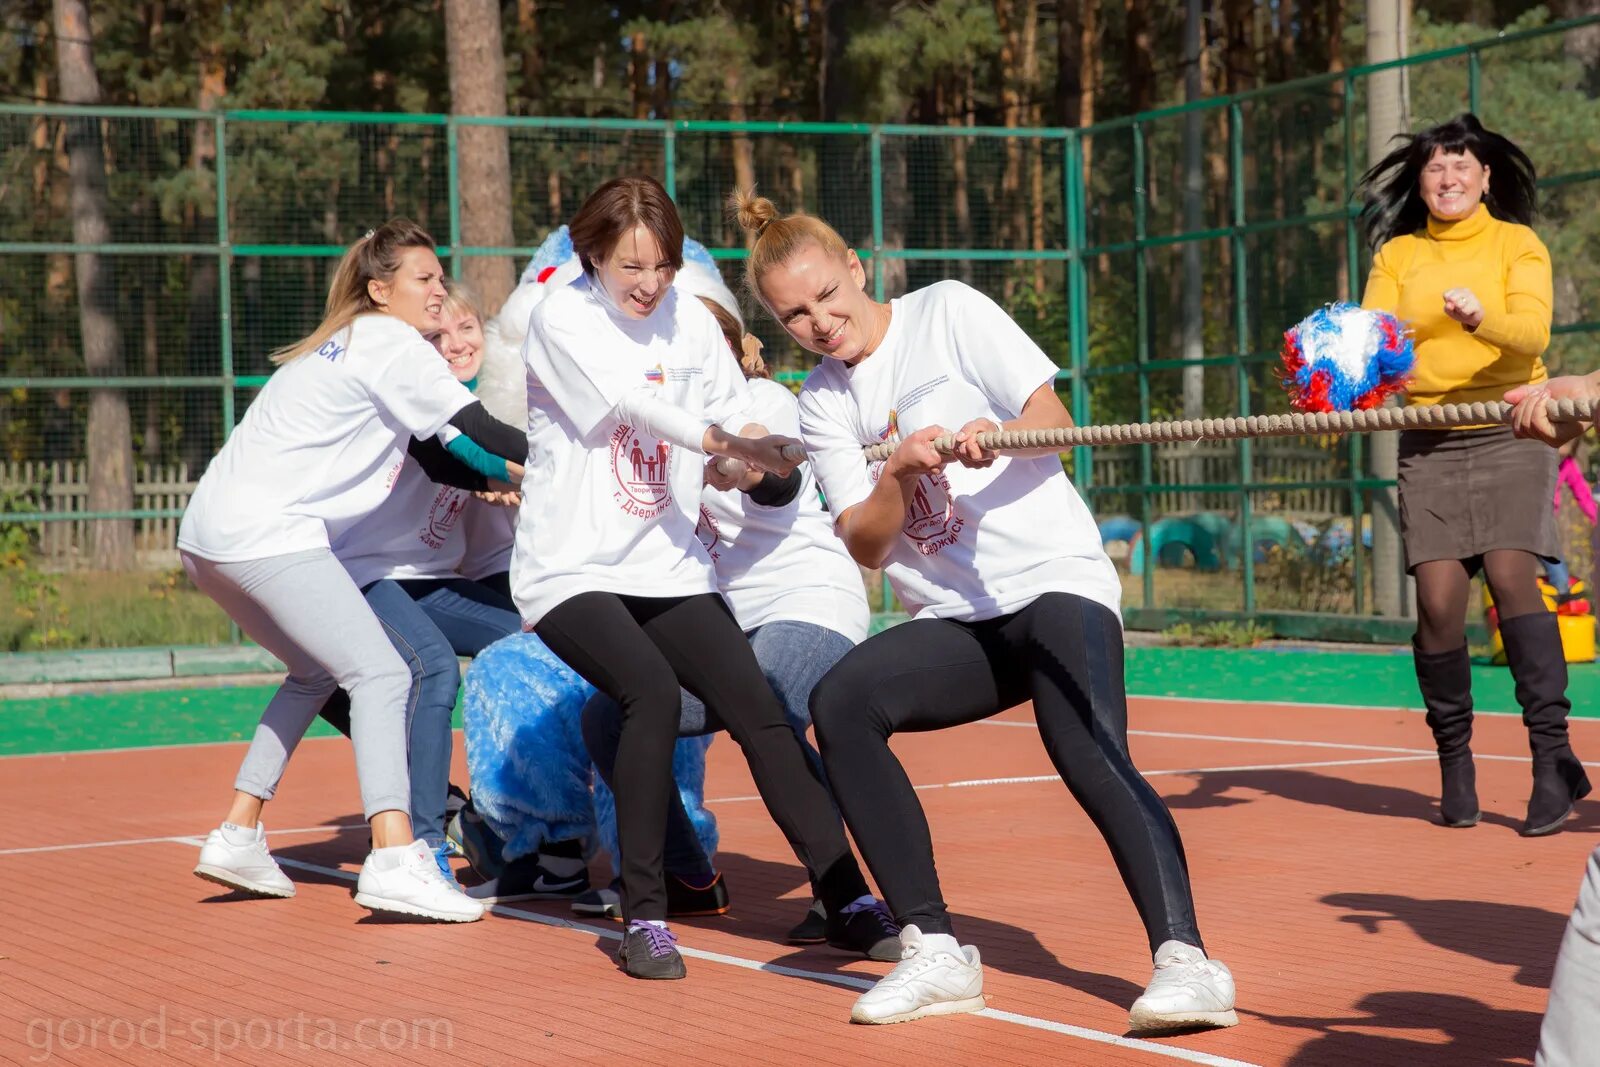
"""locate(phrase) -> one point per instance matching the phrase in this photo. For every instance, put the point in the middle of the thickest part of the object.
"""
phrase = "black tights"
(1063, 652)
(636, 650)
(1442, 586)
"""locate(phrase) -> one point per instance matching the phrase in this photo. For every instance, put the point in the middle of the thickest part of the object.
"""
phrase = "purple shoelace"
(660, 939)
(881, 910)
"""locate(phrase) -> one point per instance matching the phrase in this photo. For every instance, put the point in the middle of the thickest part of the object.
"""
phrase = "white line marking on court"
(964, 784)
(1278, 741)
(331, 827)
(1027, 779)
(850, 981)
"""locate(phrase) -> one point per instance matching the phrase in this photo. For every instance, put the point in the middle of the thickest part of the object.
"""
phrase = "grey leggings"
(305, 609)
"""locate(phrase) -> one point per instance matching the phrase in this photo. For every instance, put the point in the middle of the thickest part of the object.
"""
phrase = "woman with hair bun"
(1449, 214)
(1011, 595)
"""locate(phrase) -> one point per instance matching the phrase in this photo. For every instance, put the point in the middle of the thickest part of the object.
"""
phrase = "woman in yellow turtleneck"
(1449, 214)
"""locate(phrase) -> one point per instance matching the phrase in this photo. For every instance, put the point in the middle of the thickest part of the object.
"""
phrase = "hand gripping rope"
(1295, 424)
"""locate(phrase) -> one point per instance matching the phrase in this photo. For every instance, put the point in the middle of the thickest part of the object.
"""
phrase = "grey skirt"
(1467, 492)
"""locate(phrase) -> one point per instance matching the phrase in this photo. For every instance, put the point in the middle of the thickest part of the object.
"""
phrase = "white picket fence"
(62, 488)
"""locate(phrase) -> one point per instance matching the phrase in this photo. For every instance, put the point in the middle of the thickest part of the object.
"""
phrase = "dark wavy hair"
(1392, 204)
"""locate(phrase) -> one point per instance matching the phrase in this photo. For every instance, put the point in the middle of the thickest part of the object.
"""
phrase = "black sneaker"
(650, 951)
(602, 903)
(476, 842)
(685, 901)
(527, 879)
(813, 929)
(869, 930)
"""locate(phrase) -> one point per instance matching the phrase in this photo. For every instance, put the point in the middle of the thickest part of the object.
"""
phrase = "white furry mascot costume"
(530, 771)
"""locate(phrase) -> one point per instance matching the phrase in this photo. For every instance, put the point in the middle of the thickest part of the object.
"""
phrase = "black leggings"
(1063, 652)
(637, 650)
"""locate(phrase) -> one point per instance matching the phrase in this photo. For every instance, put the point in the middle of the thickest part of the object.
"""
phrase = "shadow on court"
(1473, 1033)
(1510, 935)
(1216, 789)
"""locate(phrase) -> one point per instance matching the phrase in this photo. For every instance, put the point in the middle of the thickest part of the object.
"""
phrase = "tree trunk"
(1011, 209)
(744, 164)
(532, 58)
(639, 75)
(1034, 207)
(203, 336)
(1583, 44)
(1194, 191)
(1387, 115)
(1069, 61)
(1141, 75)
(110, 434)
(478, 87)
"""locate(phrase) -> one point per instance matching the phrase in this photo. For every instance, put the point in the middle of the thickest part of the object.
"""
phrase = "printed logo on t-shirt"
(707, 532)
(931, 522)
(654, 375)
(917, 394)
(442, 518)
(331, 350)
(640, 463)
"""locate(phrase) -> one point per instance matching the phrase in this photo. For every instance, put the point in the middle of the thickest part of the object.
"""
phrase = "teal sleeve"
(473, 455)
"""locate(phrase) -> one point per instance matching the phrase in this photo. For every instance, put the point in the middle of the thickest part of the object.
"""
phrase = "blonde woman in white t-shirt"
(624, 377)
(1011, 595)
(318, 449)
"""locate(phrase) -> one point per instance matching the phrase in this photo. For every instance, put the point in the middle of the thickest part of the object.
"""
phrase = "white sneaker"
(407, 879)
(238, 858)
(1186, 990)
(935, 976)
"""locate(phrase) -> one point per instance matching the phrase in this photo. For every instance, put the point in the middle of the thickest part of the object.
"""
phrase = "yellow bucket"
(1577, 631)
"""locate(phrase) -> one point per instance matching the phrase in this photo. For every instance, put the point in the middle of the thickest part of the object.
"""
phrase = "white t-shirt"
(783, 562)
(417, 532)
(606, 508)
(322, 444)
(976, 544)
(490, 531)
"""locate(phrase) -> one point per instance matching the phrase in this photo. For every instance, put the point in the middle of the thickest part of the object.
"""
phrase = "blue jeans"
(1558, 575)
(430, 623)
(793, 655)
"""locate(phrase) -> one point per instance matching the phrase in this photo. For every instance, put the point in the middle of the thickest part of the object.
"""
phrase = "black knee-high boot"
(1445, 679)
(1539, 667)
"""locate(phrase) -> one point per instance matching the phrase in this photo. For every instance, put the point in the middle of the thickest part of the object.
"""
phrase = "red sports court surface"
(1359, 933)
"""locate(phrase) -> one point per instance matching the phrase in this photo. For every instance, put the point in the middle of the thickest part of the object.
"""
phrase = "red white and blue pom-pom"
(1344, 358)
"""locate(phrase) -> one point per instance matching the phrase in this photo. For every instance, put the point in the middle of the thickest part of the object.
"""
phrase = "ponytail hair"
(375, 257)
(778, 237)
(1392, 202)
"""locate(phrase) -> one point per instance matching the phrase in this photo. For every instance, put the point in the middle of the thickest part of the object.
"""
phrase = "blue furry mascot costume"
(531, 775)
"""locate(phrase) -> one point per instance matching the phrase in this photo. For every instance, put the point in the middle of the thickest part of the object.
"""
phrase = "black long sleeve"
(440, 466)
(503, 439)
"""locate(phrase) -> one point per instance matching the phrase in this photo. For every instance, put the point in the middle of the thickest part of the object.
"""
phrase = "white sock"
(660, 923)
(932, 943)
(234, 834)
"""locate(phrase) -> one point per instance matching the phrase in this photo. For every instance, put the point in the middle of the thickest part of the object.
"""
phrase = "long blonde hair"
(375, 257)
(778, 236)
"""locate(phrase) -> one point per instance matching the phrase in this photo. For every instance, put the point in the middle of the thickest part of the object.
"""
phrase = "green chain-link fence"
(226, 226)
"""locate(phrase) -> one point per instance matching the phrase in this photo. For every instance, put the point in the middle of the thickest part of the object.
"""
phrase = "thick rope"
(1296, 424)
